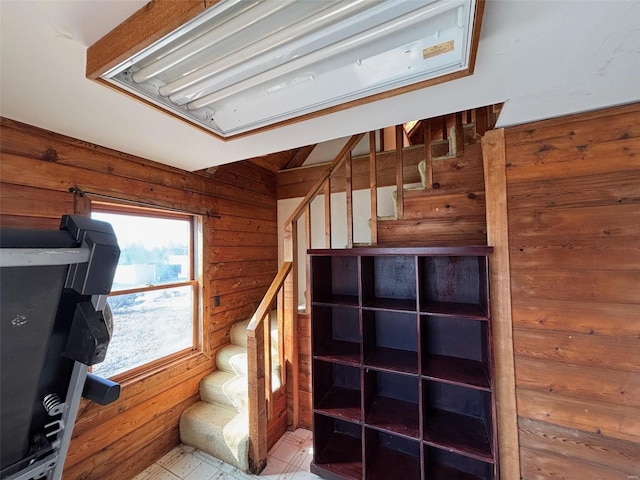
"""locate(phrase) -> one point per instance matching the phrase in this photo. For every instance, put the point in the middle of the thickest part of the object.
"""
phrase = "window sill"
(176, 360)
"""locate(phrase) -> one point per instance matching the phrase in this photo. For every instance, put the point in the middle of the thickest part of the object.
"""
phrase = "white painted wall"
(361, 216)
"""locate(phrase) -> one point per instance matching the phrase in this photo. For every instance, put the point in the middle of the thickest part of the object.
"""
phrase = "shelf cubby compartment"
(454, 286)
(444, 465)
(337, 447)
(336, 390)
(389, 283)
(336, 335)
(389, 456)
(334, 280)
(391, 402)
(390, 340)
(458, 419)
(455, 350)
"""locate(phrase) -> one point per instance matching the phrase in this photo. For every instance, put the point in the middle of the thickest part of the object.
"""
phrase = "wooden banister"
(337, 162)
(259, 363)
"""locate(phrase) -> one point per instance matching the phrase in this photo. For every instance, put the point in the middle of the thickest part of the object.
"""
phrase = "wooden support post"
(459, 129)
(494, 154)
(257, 400)
(290, 324)
(268, 380)
(307, 260)
(399, 171)
(428, 154)
(481, 120)
(327, 212)
(373, 187)
(280, 315)
(348, 188)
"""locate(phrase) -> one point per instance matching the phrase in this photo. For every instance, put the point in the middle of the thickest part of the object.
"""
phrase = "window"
(154, 297)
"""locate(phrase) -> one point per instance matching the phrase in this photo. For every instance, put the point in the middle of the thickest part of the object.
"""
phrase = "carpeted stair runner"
(219, 424)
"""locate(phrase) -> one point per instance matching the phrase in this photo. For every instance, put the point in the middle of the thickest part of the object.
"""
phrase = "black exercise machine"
(55, 324)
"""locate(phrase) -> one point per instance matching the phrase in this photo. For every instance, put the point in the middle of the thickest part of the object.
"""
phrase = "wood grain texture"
(574, 227)
(493, 148)
(37, 169)
(147, 25)
(617, 456)
(540, 465)
(607, 419)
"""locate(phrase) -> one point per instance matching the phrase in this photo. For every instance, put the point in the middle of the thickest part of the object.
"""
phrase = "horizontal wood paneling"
(543, 465)
(452, 174)
(453, 214)
(574, 228)
(609, 319)
(615, 457)
(38, 168)
(607, 419)
(434, 232)
(586, 350)
(600, 384)
(615, 286)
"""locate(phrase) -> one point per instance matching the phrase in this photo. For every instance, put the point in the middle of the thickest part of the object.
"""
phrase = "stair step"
(225, 388)
(233, 359)
(218, 430)
(238, 333)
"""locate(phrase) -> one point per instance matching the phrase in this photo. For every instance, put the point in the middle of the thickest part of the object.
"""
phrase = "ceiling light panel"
(244, 65)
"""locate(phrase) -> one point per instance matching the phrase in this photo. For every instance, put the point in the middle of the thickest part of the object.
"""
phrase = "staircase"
(219, 423)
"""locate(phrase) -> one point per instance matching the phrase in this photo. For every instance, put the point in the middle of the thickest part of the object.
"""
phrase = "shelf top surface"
(474, 250)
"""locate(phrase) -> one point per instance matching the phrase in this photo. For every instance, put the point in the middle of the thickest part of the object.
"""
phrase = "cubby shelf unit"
(403, 383)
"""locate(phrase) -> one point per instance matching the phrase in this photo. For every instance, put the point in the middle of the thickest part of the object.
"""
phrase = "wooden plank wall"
(240, 260)
(453, 214)
(573, 188)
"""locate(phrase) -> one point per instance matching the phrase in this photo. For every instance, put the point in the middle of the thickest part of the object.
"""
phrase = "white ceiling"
(544, 58)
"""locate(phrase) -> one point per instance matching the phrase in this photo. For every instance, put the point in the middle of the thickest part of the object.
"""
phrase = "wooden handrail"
(269, 297)
(259, 364)
(337, 162)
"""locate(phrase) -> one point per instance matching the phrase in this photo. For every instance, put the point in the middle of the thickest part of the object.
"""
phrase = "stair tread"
(226, 388)
(218, 430)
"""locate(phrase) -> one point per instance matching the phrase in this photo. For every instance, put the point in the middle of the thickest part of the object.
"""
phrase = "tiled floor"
(289, 459)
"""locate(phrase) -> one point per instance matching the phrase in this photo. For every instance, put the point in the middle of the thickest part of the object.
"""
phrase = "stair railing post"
(400, 171)
(373, 187)
(256, 401)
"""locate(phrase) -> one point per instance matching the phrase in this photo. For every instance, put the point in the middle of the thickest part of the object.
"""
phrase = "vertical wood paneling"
(574, 228)
(493, 147)
(37, 168)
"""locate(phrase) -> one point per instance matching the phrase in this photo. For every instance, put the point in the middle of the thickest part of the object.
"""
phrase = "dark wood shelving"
(393, 359)
(459, 371)
(460, 433)
(338, 300)
(445, 465)
(394, 416)
(339, 351)
(444, 472)
(450, 309)
(340, 455)
(389, 464)
(342, 403)
(393, 304)
(402, 364)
